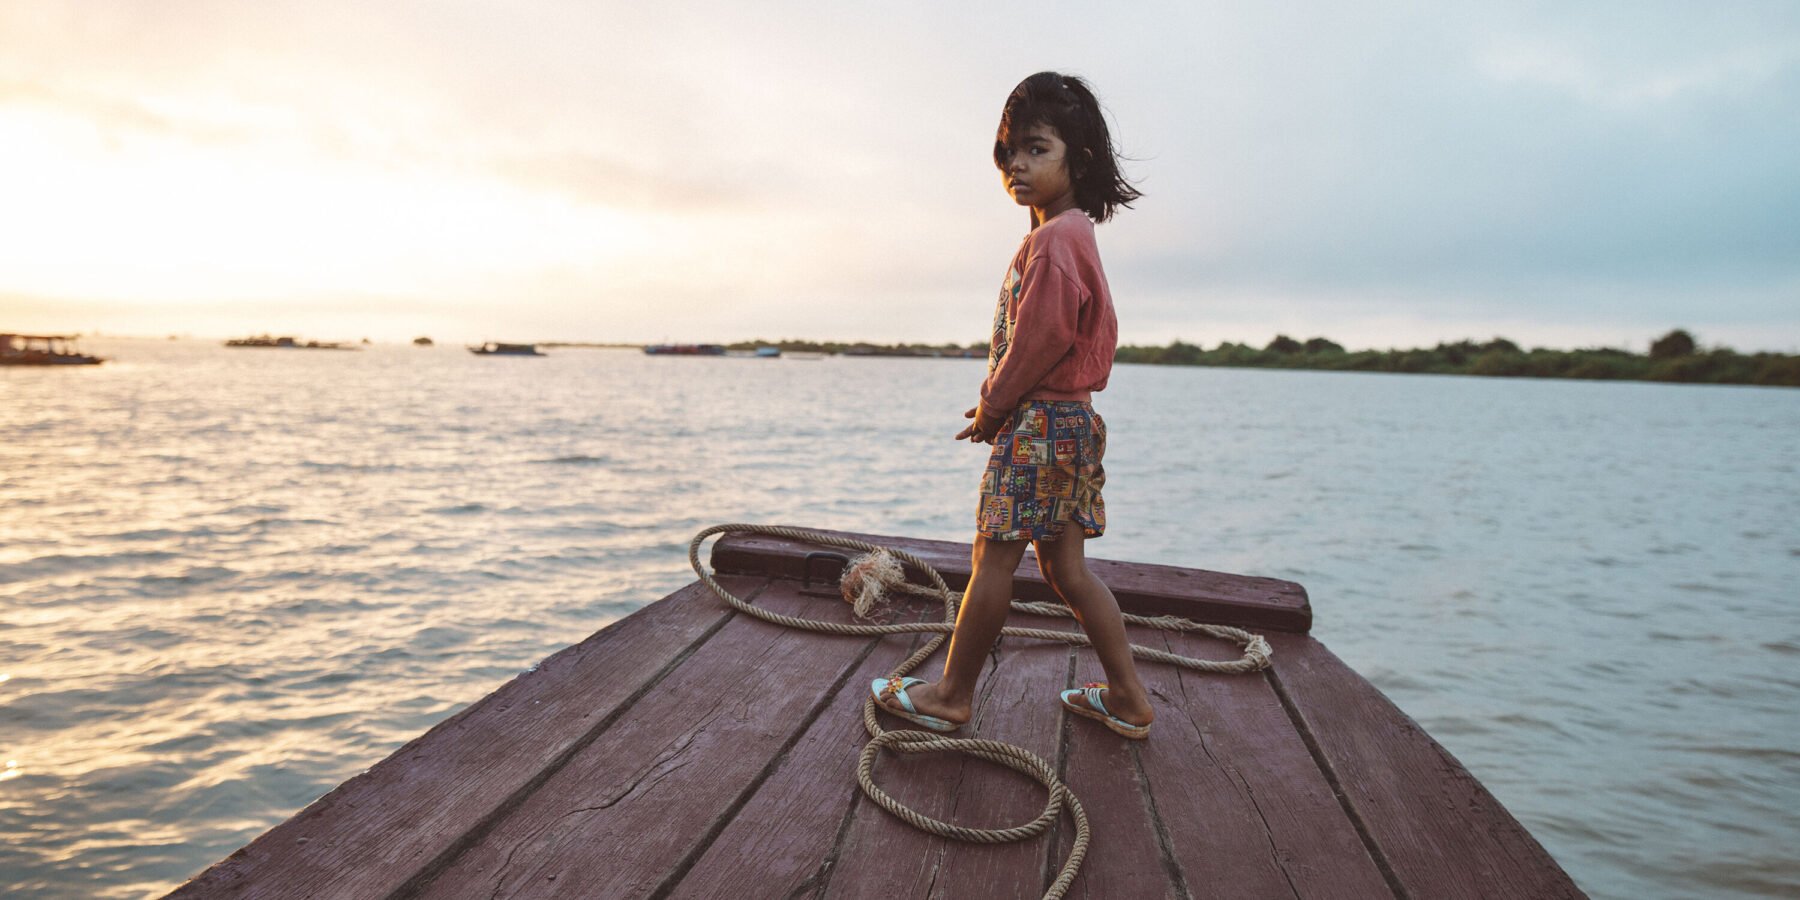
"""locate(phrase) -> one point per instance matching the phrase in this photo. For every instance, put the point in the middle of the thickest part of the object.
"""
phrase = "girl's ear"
(1081, 164)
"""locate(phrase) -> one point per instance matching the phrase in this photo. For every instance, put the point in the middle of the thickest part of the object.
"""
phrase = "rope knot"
(867, 579)
(1257, 652)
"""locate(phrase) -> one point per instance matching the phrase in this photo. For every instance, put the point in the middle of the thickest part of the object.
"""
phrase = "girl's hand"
(985, 427)
(968, 432)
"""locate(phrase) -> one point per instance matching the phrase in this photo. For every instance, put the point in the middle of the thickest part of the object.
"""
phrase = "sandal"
(897, 688)
(1094, 709)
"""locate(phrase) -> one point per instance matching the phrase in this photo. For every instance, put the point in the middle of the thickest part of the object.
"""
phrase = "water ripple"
(229, 582)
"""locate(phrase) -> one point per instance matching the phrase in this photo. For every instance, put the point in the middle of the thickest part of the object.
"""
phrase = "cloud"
(1612, 165)
(117, 115)
(614, 182)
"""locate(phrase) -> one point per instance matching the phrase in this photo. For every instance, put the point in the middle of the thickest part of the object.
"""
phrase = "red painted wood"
(733, 775)
(1245, 808)
(1439, 831)
(1125, 858)
(784, 839)
(625, 813)
(883, 856)
(373, 833)
(1016, 703)
(1142, 588)
(880, 856)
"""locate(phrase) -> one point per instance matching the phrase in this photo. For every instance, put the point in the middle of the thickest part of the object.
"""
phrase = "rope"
(863, 582)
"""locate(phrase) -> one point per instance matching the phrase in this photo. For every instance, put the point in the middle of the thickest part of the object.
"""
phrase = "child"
(1054, 338)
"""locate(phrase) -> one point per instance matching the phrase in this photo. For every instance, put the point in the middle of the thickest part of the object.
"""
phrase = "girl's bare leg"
(978, 623)
(1064, 563)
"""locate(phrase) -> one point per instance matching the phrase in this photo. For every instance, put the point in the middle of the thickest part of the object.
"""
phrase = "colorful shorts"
(1044, 473)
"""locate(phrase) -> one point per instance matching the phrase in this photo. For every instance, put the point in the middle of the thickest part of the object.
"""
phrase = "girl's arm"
(1043, 332)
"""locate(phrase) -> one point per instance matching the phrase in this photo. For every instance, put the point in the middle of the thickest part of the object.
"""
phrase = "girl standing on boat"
(1054, 338)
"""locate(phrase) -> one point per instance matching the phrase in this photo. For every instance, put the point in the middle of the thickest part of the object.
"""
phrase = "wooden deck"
(688, 751)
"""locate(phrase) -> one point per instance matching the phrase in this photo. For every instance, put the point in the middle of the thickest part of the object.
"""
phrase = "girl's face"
(1035, 167)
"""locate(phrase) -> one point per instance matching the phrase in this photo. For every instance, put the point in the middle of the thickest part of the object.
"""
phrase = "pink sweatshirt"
(1054, 328)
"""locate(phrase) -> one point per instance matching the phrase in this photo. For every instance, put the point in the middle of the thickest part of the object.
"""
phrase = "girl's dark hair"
(1067, 104)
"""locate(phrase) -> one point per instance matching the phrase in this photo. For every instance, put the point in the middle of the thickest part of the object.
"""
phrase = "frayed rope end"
(867, 579)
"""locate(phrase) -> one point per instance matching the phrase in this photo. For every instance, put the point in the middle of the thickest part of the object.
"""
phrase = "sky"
(1386, 174)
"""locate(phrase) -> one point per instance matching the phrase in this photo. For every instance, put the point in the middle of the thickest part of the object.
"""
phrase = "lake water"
(231, 579)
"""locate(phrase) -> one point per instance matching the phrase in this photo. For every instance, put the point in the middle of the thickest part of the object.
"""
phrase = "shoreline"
(1673, 359)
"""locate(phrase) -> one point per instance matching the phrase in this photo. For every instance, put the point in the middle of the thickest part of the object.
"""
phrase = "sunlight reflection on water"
(231, 579)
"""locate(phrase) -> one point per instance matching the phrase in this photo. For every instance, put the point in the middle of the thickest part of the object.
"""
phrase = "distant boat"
(492, 348)
(43, 350)
(758, 353)
(422, 342)
(685, 349)
(287, 343)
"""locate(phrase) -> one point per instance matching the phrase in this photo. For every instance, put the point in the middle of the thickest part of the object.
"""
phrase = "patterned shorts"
(1044, 473)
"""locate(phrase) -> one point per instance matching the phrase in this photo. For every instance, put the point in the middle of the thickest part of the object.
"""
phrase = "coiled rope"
(878, 571)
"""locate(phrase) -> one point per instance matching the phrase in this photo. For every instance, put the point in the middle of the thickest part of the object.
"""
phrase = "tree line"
(1674, 357)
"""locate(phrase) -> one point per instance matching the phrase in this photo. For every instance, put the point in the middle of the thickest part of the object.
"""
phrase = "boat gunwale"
(1147, 589)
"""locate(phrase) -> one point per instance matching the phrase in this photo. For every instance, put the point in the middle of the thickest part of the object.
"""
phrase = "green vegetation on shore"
(1673, 357)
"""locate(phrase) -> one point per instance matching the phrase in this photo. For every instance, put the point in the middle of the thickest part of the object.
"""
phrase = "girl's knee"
(1061, 554)
(1063, 575)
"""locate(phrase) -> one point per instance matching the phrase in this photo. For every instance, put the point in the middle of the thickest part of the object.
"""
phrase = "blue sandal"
(1094, 709)
(897, 688)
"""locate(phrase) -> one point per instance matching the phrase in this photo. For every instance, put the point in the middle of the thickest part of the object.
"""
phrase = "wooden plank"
(1128, 854)
(1017, 703)
(628, 811)
(784, 839)
(1244, 806)
(379, 830)
(1437, 831)
(1142, 588)
(878, 855)
(883, 856)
